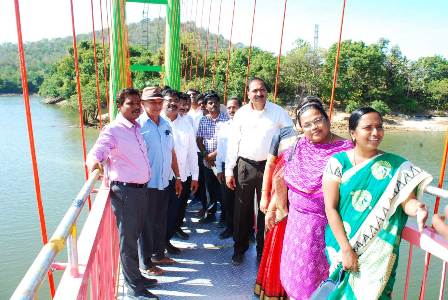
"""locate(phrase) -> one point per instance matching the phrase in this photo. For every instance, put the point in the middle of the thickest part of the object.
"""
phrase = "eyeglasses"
(316, 122)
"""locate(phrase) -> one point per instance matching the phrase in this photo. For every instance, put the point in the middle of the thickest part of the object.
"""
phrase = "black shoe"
(172, 249)
(145, 294)
(207, 219)
(182, 234)
(237, 259)
(149, 282)
(225, 234)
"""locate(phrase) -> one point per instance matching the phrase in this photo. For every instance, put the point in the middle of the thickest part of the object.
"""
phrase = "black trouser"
(248, 180)
(201, 193)
(183, 200)
(214, 191)
(228, 201)
(153, 238)
(173, 208)
(130, 208)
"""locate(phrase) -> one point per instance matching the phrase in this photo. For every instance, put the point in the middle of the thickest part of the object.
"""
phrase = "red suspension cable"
(206, 45)
(436, 210)
(249, 54)
(336, 64)
(200, 40)
(108, 9)
(279, 54)
(106, 86)
(78, 89)
(195, 33)
(29, 122)
(215, 60)
(95, 61)
(228, 54)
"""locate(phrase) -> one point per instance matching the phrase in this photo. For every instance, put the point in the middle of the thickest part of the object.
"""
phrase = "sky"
(419, 28)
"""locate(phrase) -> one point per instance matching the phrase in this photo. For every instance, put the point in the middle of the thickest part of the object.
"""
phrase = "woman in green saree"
(368, 196)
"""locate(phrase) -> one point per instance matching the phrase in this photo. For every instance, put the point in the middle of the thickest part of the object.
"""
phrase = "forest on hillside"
(375, 74)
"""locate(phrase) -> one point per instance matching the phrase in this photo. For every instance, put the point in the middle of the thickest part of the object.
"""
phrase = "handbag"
(327, 287)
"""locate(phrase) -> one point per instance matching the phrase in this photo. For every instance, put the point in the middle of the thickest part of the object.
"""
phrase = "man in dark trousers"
(121, 148)
(253, 126)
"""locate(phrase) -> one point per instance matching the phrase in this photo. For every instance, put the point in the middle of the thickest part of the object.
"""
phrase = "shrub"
(380, 106)
(352, 105)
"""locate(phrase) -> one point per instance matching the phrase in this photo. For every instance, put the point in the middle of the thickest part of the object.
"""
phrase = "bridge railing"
(98, 248)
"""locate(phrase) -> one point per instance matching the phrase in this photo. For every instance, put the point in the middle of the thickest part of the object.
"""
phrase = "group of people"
(165, 146)
(335, 208)
(319, 205)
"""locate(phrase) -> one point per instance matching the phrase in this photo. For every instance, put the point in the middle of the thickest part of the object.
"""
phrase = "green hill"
(41, 55)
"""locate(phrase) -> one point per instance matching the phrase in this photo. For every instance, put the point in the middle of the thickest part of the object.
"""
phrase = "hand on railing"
(438, 221)
(93, 164)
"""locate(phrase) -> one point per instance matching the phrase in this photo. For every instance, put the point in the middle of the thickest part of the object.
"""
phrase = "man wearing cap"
(158, 136)
(207, 143)
(122, 150)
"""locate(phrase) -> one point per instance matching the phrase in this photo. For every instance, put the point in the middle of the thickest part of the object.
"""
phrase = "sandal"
(155, 271)
(163, 261)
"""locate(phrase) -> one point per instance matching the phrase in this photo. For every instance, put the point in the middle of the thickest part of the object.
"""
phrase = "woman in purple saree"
(303, 263)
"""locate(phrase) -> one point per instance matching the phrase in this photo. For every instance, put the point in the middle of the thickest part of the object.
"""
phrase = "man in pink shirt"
(121, 149)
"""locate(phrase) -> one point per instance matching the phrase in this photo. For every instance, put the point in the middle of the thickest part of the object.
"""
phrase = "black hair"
(184, 96)
(235, 98)
(200, 97)
(307, 103)
(124, 93)
(356, 115)
(211, 95)
(255, 78)
(166, 87)
(170, 93)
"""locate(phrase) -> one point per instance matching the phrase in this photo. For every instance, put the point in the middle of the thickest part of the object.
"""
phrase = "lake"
(59, 156)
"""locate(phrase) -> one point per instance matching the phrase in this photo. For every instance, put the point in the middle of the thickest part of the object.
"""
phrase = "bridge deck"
(204, 268)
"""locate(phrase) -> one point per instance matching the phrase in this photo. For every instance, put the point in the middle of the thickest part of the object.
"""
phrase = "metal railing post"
(72, 251)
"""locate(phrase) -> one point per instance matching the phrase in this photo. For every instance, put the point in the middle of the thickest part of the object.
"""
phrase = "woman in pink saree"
(303, 263)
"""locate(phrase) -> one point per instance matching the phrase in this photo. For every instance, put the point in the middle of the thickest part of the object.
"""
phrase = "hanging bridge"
(92, 268)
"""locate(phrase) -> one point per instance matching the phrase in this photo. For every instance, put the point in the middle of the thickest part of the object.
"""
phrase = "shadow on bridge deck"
(204, 267)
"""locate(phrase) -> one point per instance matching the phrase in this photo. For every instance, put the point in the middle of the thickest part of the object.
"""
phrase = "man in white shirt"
(196, 112)
(184, 143)
(187, 159)
(228, 195)
(253, 126)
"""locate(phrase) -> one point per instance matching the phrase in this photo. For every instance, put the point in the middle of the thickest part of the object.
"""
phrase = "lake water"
(59, 155)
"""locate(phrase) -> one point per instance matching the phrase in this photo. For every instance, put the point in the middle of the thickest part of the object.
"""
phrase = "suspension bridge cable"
(249, 54)
(78, 89)
(277, 76)
(436, 209)
(336, 64)
(215, 60)
(228, 54)
(109, 25)
(95, 61)
(200, 40)
(195, 33)
(29, 122)
(206, 44)
(106, 90)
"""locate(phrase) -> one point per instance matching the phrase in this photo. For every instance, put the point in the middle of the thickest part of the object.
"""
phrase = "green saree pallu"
(373, 219)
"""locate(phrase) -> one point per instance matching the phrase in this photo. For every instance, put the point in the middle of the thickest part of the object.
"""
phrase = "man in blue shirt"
(158, 136)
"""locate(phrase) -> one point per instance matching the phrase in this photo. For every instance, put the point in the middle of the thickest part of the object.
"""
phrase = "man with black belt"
(121, 148)
(254, 125)
(162, 187)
